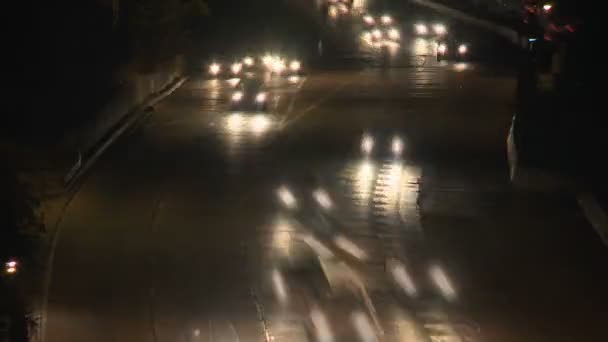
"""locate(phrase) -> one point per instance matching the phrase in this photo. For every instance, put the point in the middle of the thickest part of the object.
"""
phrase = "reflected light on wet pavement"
(281, 238)
(402, 278)
(241, 131)
(442, 282)
(235, 123)
(363, 327)
(279, 286)
(421, 47)
(364, 181)
(287, 197)
(293, 79)
(405, 328)
(233, 81)
(350, 247)
(462, 66)
(260, 124)
(323, 331)
(322, 198)
(389, 184)
(318, 247)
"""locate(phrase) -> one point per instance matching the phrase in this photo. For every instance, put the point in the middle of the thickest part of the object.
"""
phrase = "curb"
(84, 162)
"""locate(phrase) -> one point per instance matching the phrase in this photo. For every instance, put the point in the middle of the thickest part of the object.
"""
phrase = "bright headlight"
(278, 66)
(295, 66)
(393, 34)
(442, 48)
(386, 19)
(367, 144)
(236, 68)
(214, 69)
(267, 60)
(377, 34)
(421, 29)
(248, 61)
(397, 145)
(237, 96)
(368, 19)
(462, 49)
(260, 97)
(440, 29)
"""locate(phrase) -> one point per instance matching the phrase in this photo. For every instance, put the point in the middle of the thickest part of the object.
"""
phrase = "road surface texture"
(203, 224)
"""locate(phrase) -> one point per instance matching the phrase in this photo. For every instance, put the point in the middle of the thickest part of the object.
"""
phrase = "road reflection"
(422, 47)
(243, 131)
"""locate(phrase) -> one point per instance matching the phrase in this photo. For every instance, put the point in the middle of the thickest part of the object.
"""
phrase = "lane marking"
(316, 104)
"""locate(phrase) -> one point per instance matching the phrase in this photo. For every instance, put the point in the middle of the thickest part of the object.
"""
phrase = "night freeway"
(357, 188)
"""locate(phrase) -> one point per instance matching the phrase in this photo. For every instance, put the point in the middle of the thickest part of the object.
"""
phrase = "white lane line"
(293, 101)
(317, 103)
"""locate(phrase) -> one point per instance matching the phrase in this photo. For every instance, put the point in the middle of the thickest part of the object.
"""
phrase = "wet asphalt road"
(204, 224)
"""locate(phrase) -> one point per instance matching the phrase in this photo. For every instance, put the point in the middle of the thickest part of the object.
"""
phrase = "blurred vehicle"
(294, 68)
(250, 95)
(452, 50)
(381, 37)
(369, 145)
(436, 30)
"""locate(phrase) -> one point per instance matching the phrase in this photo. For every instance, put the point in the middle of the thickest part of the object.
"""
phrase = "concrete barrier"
(131, 94)
(136, 91)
